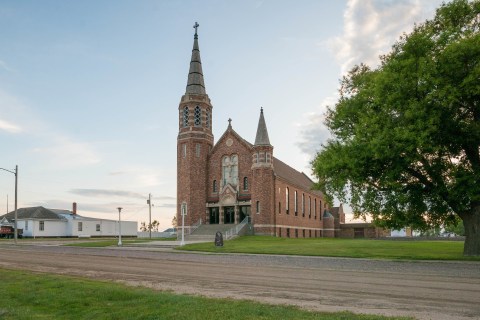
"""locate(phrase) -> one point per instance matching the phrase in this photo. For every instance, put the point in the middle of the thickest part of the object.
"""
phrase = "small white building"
(42, 222)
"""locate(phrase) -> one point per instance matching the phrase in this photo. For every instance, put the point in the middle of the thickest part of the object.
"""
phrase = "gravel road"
(423, 289)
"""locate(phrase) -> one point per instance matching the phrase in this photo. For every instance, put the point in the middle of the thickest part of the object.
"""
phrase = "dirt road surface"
(425, 290)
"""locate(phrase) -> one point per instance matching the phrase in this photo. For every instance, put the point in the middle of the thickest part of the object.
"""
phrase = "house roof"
(37, 213)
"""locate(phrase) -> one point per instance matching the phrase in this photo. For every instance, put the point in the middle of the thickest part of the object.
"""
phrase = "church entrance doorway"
(214, 216)
(229, 215)
(244, 211)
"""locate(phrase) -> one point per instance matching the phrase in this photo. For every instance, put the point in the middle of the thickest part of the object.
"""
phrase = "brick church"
(232, 180)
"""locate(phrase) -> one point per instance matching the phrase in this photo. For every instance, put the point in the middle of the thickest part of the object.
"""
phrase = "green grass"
(27, 295)
(353, 248)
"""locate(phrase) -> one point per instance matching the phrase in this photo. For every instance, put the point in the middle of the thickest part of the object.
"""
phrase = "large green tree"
(406, 136)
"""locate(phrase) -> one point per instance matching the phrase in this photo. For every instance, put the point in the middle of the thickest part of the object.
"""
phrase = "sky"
(89, 90)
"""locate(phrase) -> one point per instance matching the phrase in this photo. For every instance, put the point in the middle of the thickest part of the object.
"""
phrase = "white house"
(42, 222)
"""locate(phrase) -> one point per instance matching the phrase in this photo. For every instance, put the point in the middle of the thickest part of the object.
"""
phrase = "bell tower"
(194, 142)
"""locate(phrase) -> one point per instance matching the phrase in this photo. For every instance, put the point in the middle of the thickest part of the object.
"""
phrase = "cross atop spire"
(195, 82)
(195, 26)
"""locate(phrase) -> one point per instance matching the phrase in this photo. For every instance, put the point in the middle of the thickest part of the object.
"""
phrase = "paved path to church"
(426, 290)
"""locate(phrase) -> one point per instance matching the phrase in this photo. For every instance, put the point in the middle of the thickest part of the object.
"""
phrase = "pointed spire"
(262, 134)
(195, 82)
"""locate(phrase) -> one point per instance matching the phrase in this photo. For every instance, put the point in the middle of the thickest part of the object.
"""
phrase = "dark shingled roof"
(33, 213)
(293, 176)
(195, 82)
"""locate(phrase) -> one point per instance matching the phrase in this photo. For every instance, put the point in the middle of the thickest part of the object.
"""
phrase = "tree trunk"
(471, 221)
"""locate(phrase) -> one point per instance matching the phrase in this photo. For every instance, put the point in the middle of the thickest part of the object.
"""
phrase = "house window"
(315, 208)
(245, 184)
(279, 207)
(80, 226)
(287, 201)
(197, 150)
(320, 210)
(214, 185)
(258, 207)
(185, 116)
(304, 233)
(41, 226)
(26, 225)
(98, 227)
(288, 232)
(296, 233)
(197, 115)
(295, 203)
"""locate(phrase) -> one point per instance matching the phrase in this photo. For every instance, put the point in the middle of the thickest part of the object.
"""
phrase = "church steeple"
(195, 84)
(261, 138)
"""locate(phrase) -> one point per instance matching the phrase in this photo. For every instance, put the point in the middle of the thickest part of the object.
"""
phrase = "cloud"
(371, 27)
(3, 65)
(107, 193)
(68, 153)
(9, 127)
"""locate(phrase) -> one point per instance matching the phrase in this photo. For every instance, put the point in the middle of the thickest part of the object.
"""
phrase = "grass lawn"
(42, 296)
(354, 248)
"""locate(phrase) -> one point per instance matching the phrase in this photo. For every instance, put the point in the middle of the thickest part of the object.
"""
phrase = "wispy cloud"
(107, 193)
(3, 65)
(65, 152)
(9, 127)
(371, 27)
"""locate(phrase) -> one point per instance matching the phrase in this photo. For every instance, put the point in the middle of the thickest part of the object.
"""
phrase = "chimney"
(74, 208)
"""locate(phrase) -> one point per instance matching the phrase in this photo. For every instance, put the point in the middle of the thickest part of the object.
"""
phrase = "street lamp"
(119, 227)
(15, 232)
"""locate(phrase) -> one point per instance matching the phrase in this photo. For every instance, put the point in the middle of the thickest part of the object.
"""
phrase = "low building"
(43, 222)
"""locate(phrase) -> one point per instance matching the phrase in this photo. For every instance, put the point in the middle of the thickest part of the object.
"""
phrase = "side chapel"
(232, 180)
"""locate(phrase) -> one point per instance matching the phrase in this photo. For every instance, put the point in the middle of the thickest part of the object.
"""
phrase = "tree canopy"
(405, 146)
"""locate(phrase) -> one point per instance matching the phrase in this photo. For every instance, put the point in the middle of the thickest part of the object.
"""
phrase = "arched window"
(245, 183)
(214, 185)
(303, 204)
(295, 203)
(287, 200)
(207, 119)
(197, 116)
(309, 207)
(185, 116)
(315, 208)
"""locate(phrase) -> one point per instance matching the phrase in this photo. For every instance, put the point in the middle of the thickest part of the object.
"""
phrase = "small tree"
(143, 226)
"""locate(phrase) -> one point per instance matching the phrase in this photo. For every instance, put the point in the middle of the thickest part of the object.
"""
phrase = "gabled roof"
(293, 176)
(36, 213)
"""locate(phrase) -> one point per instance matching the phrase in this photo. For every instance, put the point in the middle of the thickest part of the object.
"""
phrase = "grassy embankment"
(376, 249)
(41, 296)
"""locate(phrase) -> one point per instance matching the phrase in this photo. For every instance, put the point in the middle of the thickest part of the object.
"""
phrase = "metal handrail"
(236, 230)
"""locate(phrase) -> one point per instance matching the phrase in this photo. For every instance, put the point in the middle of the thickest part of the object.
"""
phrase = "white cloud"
(67, 153)
(9, 127)
(371, 27)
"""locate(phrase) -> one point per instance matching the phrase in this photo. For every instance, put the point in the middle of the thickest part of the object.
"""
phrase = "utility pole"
(150, 214)
(7, 203)
(16, 197)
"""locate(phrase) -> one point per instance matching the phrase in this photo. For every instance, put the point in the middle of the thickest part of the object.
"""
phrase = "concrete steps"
(206, 232)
